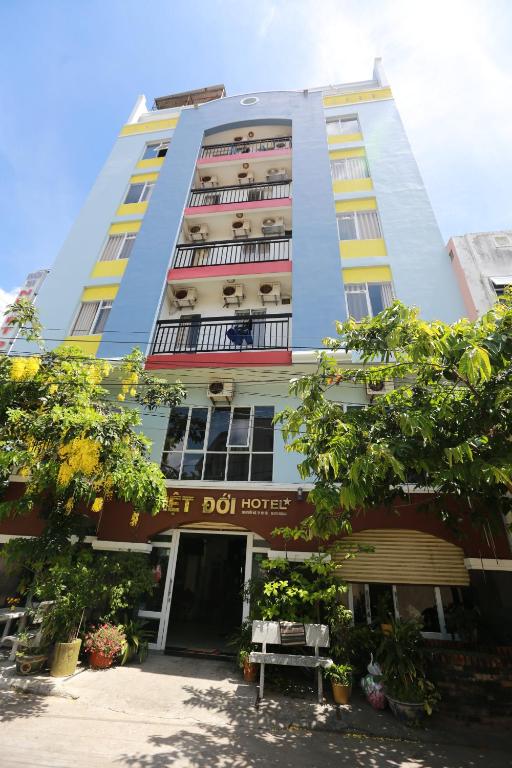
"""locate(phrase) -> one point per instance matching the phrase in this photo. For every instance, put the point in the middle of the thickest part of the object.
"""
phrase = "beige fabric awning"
(403, 557)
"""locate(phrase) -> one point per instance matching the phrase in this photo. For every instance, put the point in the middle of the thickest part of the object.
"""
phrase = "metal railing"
(244, 147)
(222, 334)
(232, 252)
(240, 193)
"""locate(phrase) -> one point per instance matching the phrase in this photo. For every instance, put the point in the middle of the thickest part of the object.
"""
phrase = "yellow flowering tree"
(65, 427)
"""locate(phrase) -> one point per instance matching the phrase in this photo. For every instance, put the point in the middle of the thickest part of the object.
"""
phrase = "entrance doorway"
(206, 606)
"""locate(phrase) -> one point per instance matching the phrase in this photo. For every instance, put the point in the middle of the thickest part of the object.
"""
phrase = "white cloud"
(6, 298)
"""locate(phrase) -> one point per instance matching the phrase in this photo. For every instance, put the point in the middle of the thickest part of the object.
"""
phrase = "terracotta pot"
(65, 658)
(97, 660)
(341, 693)
(250, 672)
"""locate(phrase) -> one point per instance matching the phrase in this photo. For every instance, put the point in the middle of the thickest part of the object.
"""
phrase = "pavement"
(192, 713)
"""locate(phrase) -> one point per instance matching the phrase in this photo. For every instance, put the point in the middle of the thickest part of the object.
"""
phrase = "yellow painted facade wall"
(352, 185)
(132, 209)
(361, 249)
(152, 162)
(99, 293)
(149, 127)
(366, 275)
(364, 204)
(339, 154)
(124, 226)
(358, 96)
(140, 178)
(344, 138)
(113, 268)
(88, 344)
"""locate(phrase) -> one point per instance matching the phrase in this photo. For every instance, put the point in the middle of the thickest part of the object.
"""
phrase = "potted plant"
(136, 641)
(340, 676)
(30, 658)
(385, 613)
(411, 696)
(103, 644)
(250, 670)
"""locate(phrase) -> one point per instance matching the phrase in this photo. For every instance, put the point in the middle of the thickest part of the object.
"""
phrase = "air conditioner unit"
(245, 177)
(185, 297)
(277, 174)
(241, 228)
(198, 232)
(233, 293)
(273, 226)
(209, 181)
(221, 391)
(374, 389)
(270, 293)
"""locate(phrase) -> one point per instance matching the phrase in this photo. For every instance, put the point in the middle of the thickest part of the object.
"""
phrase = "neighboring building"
(224, 236)
(482, 263)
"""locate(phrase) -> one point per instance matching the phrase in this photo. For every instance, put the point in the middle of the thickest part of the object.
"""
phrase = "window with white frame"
(139, 192)
(343, 126)
(118, 246)
(499, 284)
(222, 443)
(348, 168)
(92, 317)
(367, 299)
(358, 225)
(156, 149)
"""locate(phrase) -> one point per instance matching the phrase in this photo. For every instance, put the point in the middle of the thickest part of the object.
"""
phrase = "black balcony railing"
(247, 193)
(232, 252)
(222, 334)
(244, 147)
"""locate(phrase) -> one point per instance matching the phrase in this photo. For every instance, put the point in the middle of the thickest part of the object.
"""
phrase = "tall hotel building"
(223, 237)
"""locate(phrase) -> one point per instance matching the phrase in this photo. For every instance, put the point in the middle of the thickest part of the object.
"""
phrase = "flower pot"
(408, 712)
(98, 660)
(250, 672)
(341, 693)
(28, 664)
(65, 658)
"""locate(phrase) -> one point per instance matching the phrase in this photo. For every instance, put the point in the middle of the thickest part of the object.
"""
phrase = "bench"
(268, 633)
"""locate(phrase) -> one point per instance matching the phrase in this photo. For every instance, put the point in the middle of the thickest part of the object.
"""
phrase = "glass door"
(154, 608)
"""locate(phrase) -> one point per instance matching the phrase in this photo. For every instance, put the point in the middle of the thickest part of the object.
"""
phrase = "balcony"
(222, 334)
(221, 253)
(246, 147)
(240, 194)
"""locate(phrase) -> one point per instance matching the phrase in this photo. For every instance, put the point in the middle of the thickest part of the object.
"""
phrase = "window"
(139, 193)
(350, 168)
(118, 246)
(367, 299)
(499, 284)
(343, 126)
(358, 225)
(219, 444)
(156, 149)
(92, 317)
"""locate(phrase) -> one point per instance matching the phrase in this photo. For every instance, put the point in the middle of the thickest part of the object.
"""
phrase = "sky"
(70, 71)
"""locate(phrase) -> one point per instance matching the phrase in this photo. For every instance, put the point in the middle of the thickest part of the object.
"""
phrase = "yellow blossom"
(133, 391)
(24, 471)
(134, 519)
(80, 455)
(52, 389)
(68, 506)
(121, 397)
(97, 504)
(24, 368)
(32, 366)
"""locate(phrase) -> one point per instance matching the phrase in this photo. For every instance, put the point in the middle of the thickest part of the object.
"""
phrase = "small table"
(7, 616)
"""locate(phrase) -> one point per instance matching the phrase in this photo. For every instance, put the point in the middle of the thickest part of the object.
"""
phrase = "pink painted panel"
(227, 270)
(218, 359)
(244, 158)
(203, 210)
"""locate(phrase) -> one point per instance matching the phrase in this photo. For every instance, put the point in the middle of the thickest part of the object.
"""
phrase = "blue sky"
(70, 71)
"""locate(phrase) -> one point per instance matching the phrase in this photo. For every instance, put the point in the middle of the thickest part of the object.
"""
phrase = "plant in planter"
(241, 641)
(31, 656)
(250, 670)
(103, 644)
(340, 676)
(402, 658)
(136, 641)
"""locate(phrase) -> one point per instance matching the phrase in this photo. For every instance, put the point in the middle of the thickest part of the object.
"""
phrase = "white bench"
(267, 632)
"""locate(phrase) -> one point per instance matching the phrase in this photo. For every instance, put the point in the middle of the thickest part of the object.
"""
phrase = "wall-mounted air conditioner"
(245, 177)
(221, 391)
(273, 226)
(185, 297)
(241, 228)
(233, 293)
(209, 181)
(374, 389)
(277, 174)
(198, 232)
(270, 293)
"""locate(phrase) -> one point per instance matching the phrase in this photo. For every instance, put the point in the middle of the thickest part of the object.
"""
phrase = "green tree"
(445, 426)
(76, 444)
